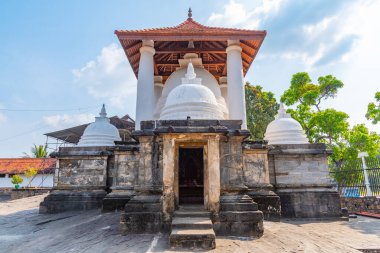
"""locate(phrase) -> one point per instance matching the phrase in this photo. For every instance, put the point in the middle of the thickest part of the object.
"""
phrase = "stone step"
(191, 222)
(191, 208)
(192, 239)
(184, 214)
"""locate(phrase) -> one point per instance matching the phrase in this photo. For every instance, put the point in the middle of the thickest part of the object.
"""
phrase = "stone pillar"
(213, 170)
(223, 87)
(235, 80)
(168, 176)
(146, 182)
(158, 87)
(145, 103)
(124, 178)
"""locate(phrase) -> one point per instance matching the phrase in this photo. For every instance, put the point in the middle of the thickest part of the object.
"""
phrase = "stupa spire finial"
(281, 113)
(103, 112)
(190, 74)
(190, 14)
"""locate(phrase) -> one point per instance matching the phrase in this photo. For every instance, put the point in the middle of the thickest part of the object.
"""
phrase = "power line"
(24, 133)
(48, 110)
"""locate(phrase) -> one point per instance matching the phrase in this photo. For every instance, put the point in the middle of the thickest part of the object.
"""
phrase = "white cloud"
(3, 118)
(66, 120)
(238, 15)
(110, 76)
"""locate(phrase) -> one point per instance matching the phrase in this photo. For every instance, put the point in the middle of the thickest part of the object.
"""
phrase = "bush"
(16, 179)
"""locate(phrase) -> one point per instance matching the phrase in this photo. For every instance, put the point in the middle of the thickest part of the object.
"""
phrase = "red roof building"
(20, 165)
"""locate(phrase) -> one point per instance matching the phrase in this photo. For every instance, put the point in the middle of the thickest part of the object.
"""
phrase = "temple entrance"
(190, 175)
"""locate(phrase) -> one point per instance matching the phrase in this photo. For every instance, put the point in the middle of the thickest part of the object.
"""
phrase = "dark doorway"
(190, 176)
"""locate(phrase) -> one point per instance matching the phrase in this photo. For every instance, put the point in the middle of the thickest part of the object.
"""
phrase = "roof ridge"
(187, 22)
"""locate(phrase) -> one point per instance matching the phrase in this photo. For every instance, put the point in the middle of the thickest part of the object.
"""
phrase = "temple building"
(191, 170)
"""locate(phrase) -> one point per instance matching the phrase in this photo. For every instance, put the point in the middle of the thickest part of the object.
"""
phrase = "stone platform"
(68, 200)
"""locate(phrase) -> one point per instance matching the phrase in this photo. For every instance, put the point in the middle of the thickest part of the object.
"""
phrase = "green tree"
(261, 107)
(373, 110)
(39, 151)
(358, 139)
(327, 125)
(30, 174)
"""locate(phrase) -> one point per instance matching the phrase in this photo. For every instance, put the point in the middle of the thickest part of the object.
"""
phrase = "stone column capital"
(147, 49)
(234, 48)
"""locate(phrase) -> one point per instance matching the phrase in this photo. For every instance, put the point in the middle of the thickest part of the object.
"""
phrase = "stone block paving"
(22, 229)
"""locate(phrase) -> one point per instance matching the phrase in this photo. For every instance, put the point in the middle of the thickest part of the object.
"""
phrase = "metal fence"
(350, 178)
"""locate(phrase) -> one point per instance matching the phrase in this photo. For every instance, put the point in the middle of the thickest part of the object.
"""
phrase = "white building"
(18, 166)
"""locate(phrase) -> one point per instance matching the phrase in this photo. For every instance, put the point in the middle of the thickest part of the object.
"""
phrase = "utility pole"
(362, 155)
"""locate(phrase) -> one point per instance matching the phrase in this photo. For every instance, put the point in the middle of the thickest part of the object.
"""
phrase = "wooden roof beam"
(177, 64)
(192, 50)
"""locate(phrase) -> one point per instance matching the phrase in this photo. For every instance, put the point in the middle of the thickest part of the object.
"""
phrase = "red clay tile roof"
(191, 26)
(172, 43)
(20, 165)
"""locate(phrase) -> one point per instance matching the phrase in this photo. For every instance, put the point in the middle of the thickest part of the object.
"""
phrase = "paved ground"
(22, 229)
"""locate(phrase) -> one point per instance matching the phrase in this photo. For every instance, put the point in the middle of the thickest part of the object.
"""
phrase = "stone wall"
(81, 179)
(24, 193)
(301, 179)
(255, 167)
(82, 172)
(362, 204)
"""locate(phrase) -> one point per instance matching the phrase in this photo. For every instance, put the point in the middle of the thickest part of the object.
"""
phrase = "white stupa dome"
(100, 133)
(285, 130)
(192, 99)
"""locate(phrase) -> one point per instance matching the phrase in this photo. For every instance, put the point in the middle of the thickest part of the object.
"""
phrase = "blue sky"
(63, 56)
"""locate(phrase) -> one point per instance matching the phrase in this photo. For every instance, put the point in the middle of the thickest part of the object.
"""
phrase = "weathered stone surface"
(310, 204)
(83, 171)
(192, 239)
(143, 214)
(362, 204)
(302, 181)
(243, 220)
(116, 200)
(268, 202)
(126, 168)
(231, 164)
(28, 192)
(61, 200)
(255, 165)
(149, 177)
(93, 231)
(192, 229)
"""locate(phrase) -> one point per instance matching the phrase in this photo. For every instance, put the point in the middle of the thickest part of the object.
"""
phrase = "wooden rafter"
(171, 44)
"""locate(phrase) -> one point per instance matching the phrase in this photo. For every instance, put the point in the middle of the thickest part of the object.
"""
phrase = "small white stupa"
(191, 99)
(100, 133)
(285, 130)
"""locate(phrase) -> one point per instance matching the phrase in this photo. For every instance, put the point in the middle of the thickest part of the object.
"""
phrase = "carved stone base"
(68, 200)
(268, 202)
(116, 200)
(309, 204)
(143, 214)
(238, 216)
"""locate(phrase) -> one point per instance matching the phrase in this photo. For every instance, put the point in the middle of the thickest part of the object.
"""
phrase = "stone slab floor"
(22, 229)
